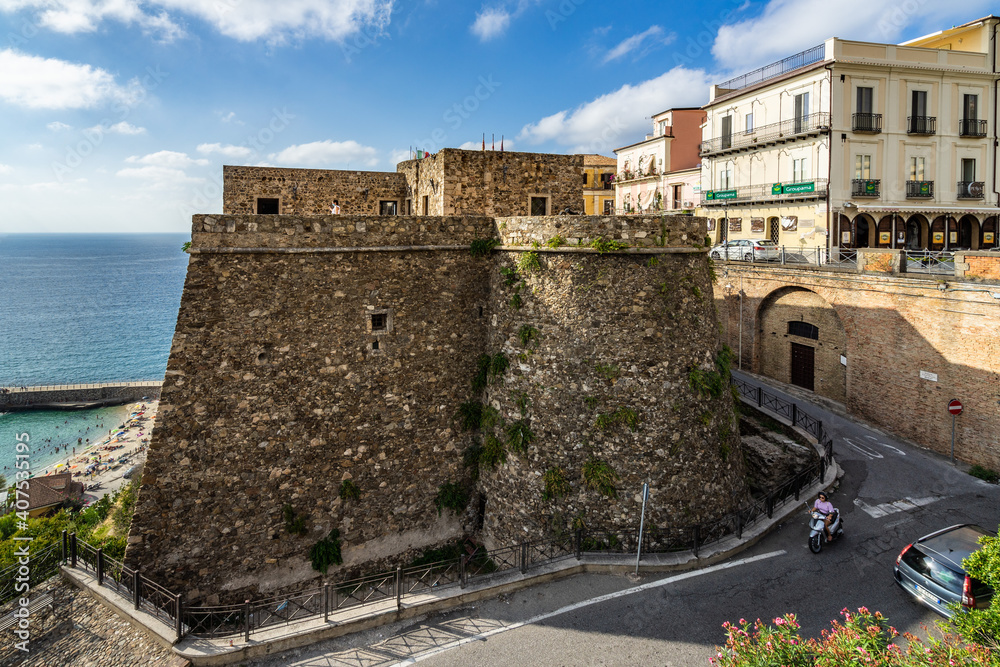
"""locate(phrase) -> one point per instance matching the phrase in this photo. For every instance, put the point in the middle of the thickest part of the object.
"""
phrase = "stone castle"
(362, 373)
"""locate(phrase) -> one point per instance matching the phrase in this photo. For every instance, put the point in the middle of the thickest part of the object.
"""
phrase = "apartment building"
(662, 172)
(598, 185)
(856, 144)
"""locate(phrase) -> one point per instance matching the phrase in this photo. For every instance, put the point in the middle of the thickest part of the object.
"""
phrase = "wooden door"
(803, 365)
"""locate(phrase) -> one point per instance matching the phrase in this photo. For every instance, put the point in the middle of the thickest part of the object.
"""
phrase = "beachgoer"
(335, 207)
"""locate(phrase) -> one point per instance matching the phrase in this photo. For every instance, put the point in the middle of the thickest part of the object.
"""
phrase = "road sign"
(955, 406)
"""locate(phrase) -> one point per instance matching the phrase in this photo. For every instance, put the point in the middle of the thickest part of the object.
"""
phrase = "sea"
(78, 308)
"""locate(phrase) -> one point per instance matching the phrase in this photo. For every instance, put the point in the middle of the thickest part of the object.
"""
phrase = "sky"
(118, 115)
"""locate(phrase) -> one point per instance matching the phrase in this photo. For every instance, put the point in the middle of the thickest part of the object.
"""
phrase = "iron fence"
(930, 261)
(478, 563)
(40, 566)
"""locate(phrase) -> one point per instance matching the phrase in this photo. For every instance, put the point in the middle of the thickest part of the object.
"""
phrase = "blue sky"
(119, 114)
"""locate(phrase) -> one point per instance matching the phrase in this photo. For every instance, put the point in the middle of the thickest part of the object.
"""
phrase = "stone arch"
(940, 228)
(968, 233)
(865, 233)
(988, 233)
(842, 225)
(781, 350)
(884, 227)
(916, 232)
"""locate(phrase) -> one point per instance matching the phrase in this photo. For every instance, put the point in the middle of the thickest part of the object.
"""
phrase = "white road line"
(871, 454)
(904, 505)
(586, 603)
(877, 442)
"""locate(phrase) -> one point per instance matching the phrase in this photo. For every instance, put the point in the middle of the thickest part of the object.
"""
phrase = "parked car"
(750, 250)
(930, 570)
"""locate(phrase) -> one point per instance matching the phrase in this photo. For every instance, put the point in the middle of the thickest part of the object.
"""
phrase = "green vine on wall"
(555, 484)
(601, 477)
(712, 383)
(295, 525)
(349, 490)
(326, 552)
(555, 241)
(528, 262)
(452, 496)
(509, 275)
(623, 416)
(603, 245)
(519, 436)
(528, 335)
(483, 247)
(489, 369)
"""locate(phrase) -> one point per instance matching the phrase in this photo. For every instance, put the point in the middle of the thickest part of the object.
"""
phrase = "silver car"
(930, 570)
(749, 250)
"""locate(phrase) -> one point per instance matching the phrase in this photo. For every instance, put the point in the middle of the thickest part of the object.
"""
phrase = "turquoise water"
(80, 308)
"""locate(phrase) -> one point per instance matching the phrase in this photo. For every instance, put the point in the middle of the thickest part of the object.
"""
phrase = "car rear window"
(766, 243)
(937, 572)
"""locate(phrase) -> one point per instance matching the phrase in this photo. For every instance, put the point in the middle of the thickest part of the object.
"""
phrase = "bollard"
(64, 546)
(178, 623)
(136, 584)
(697, 536)
(399, 587)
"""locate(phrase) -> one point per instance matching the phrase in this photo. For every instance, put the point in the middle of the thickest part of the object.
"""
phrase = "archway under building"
(864, 231)
(988, 233)
(916, 232)
(942, 229)
(884, 237)
(968, 233)
(801, 340)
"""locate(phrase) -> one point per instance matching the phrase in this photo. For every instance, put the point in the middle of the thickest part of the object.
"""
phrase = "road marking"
(586, 603)
(878, 442)
(904, 505)
(870, 453)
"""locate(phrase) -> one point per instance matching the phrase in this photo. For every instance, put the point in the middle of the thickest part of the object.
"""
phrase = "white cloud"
(48, 83)
(123, 128)
(159, 177)
(228, 150)
(491, 23)
(635, 42)
(167, 159)
(613, 119)
(229, 117)
(322, 153)
(57, 126)
(400, 155)
(6, 169)
(806, 23)
(245, 20)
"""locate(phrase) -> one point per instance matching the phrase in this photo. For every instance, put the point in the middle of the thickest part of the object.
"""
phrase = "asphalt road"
(891, 494)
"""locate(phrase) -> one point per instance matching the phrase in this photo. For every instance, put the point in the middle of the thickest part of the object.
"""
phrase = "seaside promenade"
(77, 396)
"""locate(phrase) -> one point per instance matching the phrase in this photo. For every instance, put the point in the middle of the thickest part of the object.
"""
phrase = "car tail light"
(758, 247)
(900, 556)
(967, 599)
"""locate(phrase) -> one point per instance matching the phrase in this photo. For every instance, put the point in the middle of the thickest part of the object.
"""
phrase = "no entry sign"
(955, 406)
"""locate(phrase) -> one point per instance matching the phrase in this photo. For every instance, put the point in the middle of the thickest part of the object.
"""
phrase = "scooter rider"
(826, 507)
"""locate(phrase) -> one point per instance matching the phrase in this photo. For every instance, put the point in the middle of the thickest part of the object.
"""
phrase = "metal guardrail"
(68, 387)
(767, 134)
(801, 59)
(312, 602)
(930, 261)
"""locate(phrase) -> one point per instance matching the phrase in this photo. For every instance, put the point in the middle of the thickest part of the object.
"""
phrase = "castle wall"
(613, 332)
(310, 191)
(274, 395)
(314, 350)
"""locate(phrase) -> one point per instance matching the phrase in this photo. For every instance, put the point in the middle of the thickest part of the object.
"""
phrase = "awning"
(925, 210)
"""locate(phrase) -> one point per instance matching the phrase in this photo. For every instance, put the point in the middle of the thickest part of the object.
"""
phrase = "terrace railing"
(807, 57)
(767, 134)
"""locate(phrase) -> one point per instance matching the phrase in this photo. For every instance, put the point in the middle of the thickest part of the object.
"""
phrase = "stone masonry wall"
(310, 191)
(425, 178)
(500, 184)
(310, 351)
(594, 336)
(896, 328)
(274, 396)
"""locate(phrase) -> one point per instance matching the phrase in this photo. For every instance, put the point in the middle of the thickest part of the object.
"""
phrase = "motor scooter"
(817, 534)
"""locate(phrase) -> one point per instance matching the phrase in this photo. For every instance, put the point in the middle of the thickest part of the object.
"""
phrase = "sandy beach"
(101, 465)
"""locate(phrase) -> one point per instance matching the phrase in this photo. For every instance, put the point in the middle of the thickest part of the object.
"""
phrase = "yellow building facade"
(598, 184)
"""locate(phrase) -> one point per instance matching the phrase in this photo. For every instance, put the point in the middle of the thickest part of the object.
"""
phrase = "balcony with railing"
(970, 127)
(866, 187)
(815, 189)
(919, 189)
(971, 189)
(921, 125)
(867, 123)
(775, 133)
(774, 70)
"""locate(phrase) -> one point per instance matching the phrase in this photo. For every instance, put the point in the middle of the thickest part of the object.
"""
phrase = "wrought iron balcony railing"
(868, 123)
(921, 125)
(970, 127)
(768, 134)
(919, 189)
(866, 187)
(971, 189)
